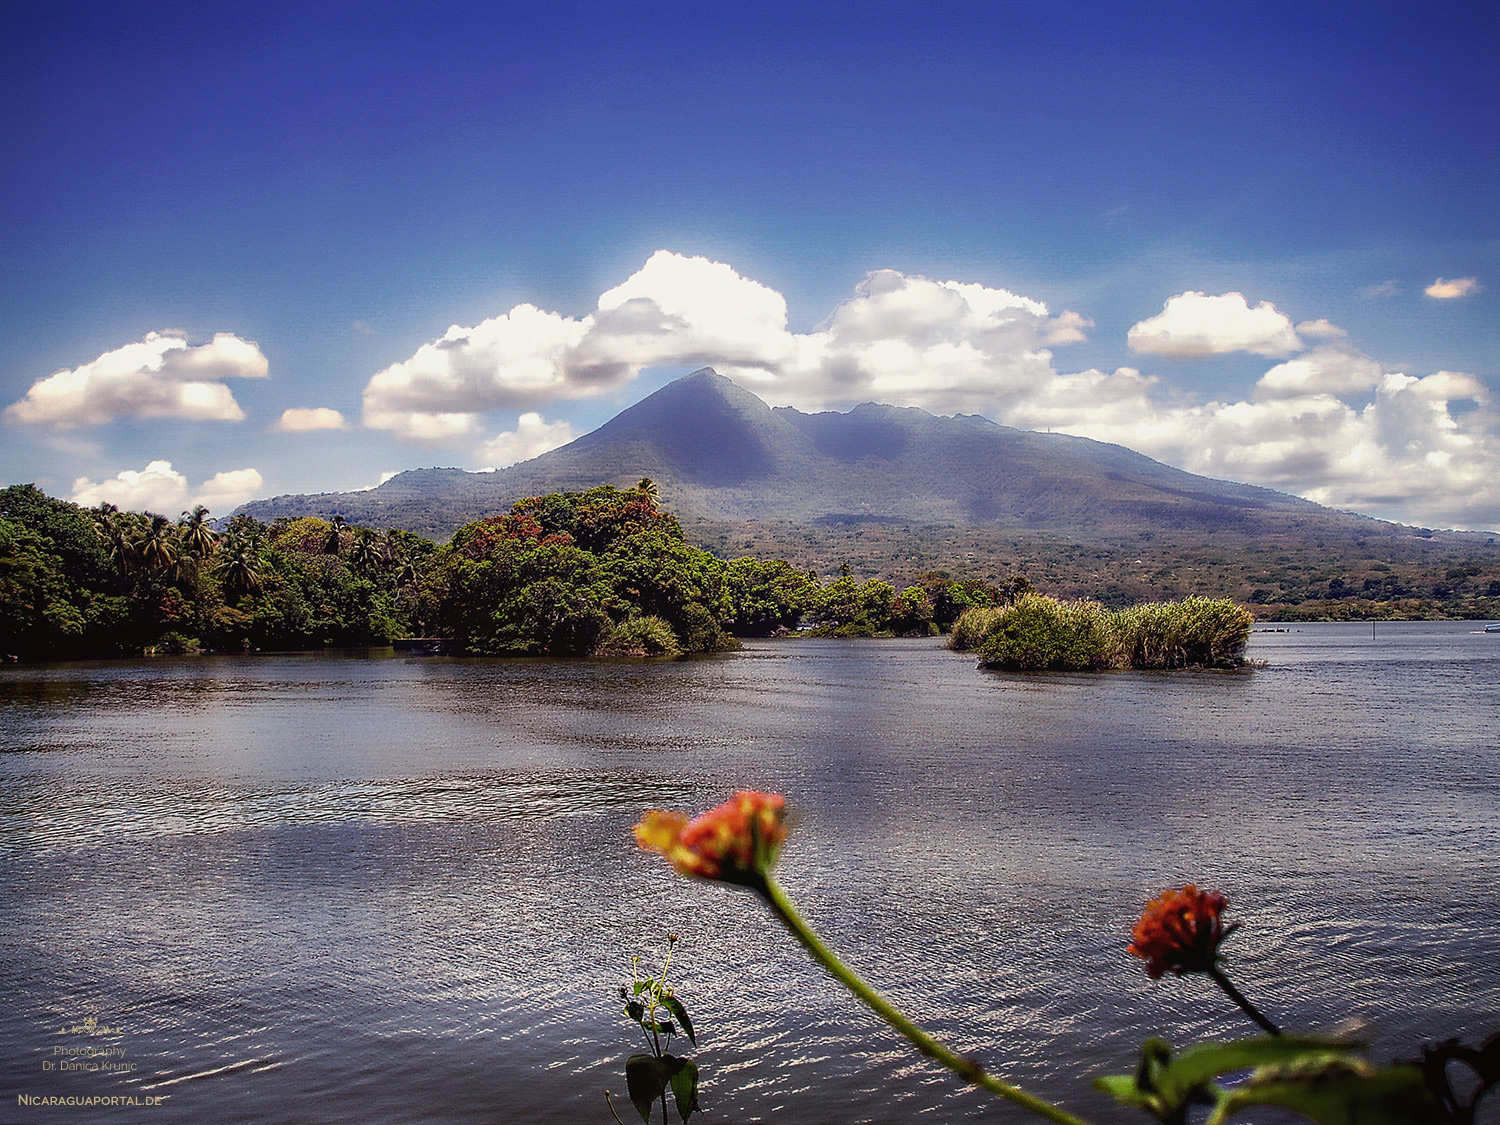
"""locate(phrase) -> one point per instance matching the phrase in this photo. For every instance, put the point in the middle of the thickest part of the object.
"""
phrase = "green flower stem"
(967, 1069)
(1245, 1006)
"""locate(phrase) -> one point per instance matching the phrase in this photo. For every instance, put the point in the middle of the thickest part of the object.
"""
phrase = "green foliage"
(1326, 1081)
(972, 626)
(105, 582)
(57, 583)
(911, 613)
(654, 1006)
(562, 575)
(847, 608)
(641, 636)
(1196, 632)
(766, 596)
(1041, 633)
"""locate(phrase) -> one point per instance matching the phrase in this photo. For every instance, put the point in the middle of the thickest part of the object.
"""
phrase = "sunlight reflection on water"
(327, 888)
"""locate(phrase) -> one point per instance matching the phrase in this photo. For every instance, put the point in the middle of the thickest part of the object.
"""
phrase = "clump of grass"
(1039, 633)
(641, 636)
(1196, 632)
(972, 625)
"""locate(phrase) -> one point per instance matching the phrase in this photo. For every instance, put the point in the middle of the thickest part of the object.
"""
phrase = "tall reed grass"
(1039, 633)
(971, 626)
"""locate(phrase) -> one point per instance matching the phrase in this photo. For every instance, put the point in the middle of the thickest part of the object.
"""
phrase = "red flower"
(738, 842)
(1180, 930)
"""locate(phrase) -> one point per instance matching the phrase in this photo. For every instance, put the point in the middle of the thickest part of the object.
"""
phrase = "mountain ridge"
(718, 452)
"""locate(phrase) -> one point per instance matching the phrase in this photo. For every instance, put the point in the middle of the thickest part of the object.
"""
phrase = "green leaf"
(684, 1078)
(663, 1026)
(646, 1078)
(636, 1011)
(673, 1005)
(1339, 1092)
(642, 985)
(1163, 1085)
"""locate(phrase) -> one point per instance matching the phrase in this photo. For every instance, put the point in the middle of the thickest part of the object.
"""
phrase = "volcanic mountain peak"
(716, 451)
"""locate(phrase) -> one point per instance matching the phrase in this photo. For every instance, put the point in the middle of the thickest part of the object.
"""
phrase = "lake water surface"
(368, 888)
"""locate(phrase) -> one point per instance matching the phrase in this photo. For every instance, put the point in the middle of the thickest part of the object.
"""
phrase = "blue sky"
(1259, 242)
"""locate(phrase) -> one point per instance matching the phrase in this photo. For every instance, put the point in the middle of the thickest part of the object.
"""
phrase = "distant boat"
(1493, 628)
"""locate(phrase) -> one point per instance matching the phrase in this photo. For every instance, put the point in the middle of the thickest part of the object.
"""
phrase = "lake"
(342, 887)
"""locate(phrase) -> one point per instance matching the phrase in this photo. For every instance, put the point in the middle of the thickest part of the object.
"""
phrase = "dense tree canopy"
(602, 572)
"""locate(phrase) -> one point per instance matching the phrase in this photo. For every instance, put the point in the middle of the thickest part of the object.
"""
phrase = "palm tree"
(113, 527)
(240, 568)
(335, 541)
(157, 547)
(197, 539)
(406, 574)
(365, 556)
(647, 488)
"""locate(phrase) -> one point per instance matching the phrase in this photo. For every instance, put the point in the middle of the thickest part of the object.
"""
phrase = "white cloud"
(1445, 289)
(507, 361)
(223, 492)
(1405, 455)
(531, 438)
(162, 489)
(1329, 369)
(1194, 325)
(301, 419)
(973, 343)
(1321, 329)
(161, 376)
(1327, 422)
(912, 341)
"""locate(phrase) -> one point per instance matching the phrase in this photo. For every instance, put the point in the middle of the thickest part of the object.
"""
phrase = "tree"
(911, 613)
(846, 608)
(197, 539)
(115, 531)
(766, 595)
(365, 555)
(334, 543)
(239, 569)
(157, 547)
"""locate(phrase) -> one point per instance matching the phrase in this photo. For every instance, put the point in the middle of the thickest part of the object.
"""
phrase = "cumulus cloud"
(1324, 370)
(223, 492)
(1406, 454)
(945, 346)
(162, 489)
(161, 376)
(531, 438)
(1445, 289)
(300, 419)
(1194, 325)
(977, 344)
(1326, 421)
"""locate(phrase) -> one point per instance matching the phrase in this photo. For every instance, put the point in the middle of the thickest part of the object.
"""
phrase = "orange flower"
(738, 842)
(1180, 930)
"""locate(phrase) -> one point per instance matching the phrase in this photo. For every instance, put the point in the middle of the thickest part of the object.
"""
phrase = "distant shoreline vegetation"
(606, 572)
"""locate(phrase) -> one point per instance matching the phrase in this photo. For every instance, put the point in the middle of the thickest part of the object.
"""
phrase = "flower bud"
(737, 842)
